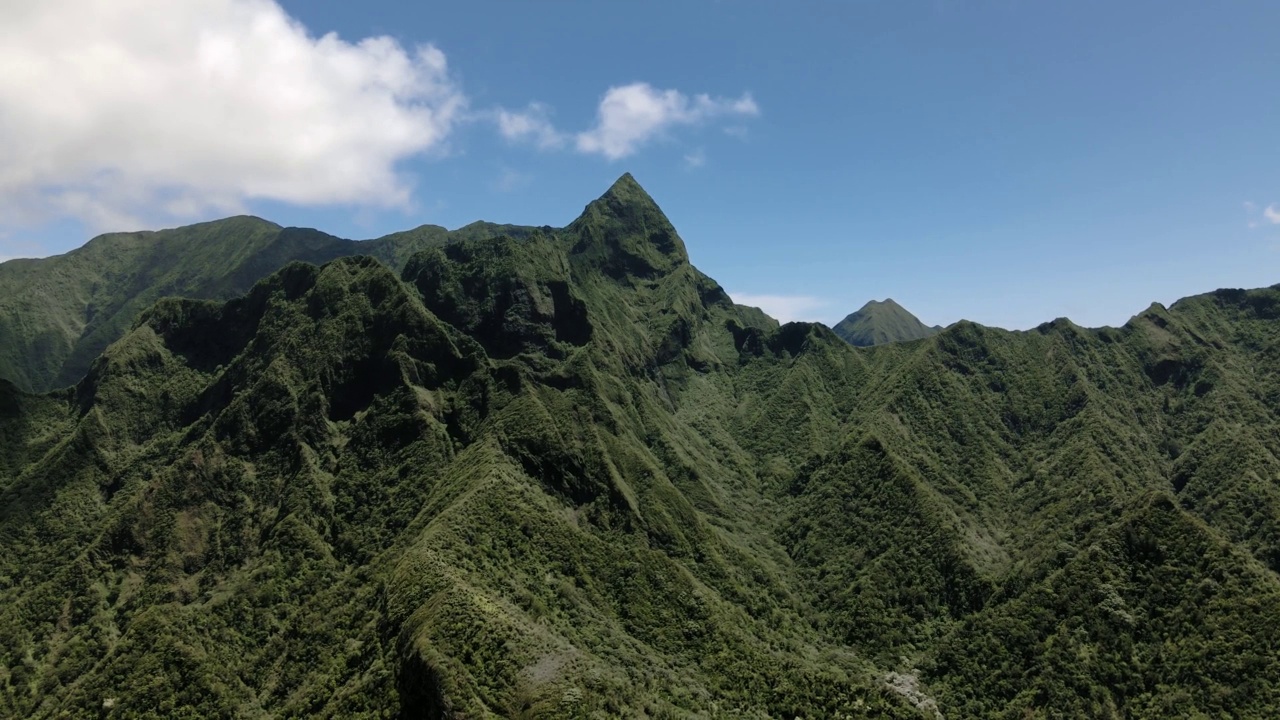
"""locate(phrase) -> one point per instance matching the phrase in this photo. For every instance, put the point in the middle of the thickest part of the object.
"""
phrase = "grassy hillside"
(879, 322)
(57, 314)
(565, 476)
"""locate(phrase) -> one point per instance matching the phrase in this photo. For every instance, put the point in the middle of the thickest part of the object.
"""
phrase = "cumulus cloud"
(116, 112)
(1272, 215)
(631, 115)
(533, 124)
(783, 308)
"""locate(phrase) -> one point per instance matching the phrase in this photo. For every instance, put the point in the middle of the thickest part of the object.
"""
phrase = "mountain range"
(57, 314)
(539, 472)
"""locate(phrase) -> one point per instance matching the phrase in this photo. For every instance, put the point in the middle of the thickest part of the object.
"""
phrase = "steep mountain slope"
(57, 314)
(879, 322)
(565, 476)
(474, 492)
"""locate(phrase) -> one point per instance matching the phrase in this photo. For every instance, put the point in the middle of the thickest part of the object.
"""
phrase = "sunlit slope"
(563, 475)
(57, 314)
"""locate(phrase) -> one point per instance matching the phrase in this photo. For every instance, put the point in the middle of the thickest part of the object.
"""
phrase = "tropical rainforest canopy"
(540, 472)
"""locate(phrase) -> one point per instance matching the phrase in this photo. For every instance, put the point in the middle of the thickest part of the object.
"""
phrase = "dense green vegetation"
(882, 321)
(57, 314)
(564, 475)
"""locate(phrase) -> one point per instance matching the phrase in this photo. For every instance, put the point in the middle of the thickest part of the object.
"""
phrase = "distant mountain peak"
(887, 302)
(879, 322)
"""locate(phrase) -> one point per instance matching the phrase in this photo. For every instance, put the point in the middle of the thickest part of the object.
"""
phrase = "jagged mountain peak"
(626, 232)
(626, 182)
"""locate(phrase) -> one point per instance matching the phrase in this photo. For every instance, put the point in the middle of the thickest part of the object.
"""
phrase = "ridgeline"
(559, 473)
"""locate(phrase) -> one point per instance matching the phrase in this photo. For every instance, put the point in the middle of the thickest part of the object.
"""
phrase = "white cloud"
(783, 308)
(630, 115)
(695, 159)
(1272, 215)
(533, 124)
(116, 112)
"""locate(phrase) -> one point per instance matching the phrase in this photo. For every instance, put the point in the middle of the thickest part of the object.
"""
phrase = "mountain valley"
(251, 471)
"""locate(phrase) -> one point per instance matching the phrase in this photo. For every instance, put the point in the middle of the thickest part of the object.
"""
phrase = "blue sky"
(1006, 162)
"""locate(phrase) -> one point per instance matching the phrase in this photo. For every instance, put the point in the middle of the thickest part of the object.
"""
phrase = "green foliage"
(58, 314)
(879, 322)
(558, 473)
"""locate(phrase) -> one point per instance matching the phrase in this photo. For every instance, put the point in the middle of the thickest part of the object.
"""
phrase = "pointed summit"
(882, 321)
(627, 183)
(626, 233)
(625, 192)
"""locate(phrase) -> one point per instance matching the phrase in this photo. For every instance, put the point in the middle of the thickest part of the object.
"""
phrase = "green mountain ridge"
(57, 314)
(565, 476)
(882, 321)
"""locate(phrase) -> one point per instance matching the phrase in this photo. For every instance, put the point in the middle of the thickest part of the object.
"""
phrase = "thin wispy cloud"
(783, 308)
(532, 125)
(627, 118)
(631, 115)
(695, 159)
(1259, 215)
(144, 111)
